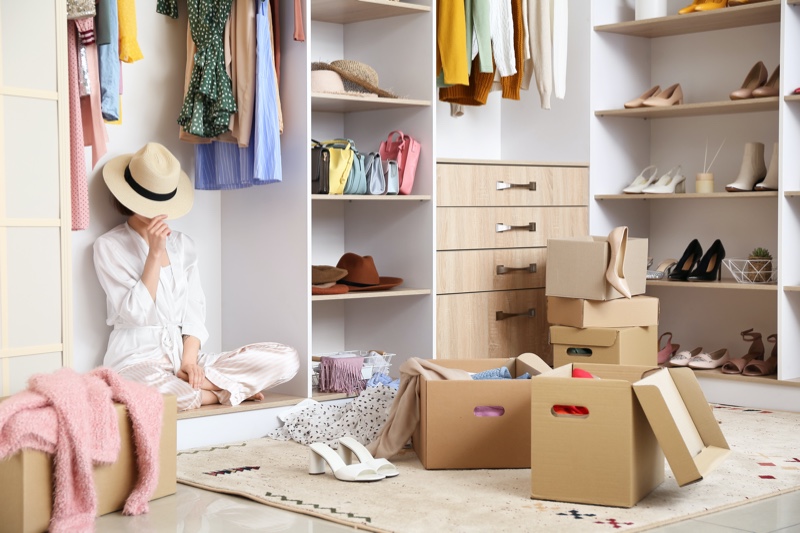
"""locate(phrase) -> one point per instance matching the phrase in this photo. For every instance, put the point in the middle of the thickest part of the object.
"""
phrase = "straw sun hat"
(150, 182)
(353, 77)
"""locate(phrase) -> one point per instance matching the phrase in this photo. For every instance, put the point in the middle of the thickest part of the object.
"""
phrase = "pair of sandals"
(753, 363)
(368, 468)
(697, 359)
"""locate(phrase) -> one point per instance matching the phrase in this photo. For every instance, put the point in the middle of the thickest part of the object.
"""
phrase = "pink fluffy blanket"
(72, 417)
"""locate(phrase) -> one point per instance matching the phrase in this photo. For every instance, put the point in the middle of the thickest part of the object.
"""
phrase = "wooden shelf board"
(724, 284)
(687, 196)
(357, 295)
(342, 103)
(371, 198)
(793, 2)
(792, 194)
(346, 11)
(270, 400)
(724, 107)
(792, 97)
(768, 380)
(718, 19)
(504, 163)
(791, 288)
(329, 396)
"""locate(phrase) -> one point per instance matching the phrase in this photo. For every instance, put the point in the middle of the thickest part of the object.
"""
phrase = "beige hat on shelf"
(354, 78)
(150, 182)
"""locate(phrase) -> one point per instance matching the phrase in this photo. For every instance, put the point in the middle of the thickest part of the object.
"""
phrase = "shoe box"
(26, 493)
(466, 424)
(619, 313)
(636, 345)
(576, 268)
(613, 455)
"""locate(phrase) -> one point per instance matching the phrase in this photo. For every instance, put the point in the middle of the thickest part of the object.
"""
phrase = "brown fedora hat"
(362, 275)
(326, 274)
(329, 288)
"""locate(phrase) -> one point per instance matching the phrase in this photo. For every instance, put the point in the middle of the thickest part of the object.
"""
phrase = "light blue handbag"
(376, 182)
(357, 180)
(392, 176)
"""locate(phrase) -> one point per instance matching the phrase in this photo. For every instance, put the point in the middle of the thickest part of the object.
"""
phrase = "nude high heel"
(637, 102)
(771, 87)
(752, 170)
(672, 182)
(767, 366)
(770, 183)
(618, 241)
(756, 351)
(672, 95)
(755, 78)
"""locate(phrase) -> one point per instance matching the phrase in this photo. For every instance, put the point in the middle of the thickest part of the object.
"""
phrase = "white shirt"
(147, 330)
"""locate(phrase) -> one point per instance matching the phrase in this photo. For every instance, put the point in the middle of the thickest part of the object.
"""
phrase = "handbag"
(376, 181)
(405, 150)
(392, 176)
(320, 158)
(341, 161)
(357, 180)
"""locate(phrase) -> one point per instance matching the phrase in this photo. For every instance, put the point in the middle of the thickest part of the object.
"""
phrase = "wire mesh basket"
(375, 362)
(752, 270)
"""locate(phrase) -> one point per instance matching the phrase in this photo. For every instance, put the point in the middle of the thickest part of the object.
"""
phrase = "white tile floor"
(194, 510)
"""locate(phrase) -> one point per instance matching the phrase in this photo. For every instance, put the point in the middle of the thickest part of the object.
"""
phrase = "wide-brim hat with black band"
(357, 77)
(150, 182)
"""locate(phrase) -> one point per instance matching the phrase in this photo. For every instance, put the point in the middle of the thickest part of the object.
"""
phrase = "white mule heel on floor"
(348, 447)
(322, 453)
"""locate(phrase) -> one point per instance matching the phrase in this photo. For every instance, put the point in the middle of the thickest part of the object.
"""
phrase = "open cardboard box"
(619, 313)
(611, 456)
(637, 345)
(454, 431)
(26, 491)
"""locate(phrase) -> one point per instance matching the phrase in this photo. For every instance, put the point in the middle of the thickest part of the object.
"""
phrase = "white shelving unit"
(704, 53)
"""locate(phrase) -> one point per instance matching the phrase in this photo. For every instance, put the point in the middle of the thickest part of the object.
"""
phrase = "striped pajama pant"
(239, 373)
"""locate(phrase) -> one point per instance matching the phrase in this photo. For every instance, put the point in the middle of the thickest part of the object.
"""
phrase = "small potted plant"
(759, 266)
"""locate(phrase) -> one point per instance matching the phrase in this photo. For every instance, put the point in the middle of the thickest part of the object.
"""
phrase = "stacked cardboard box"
(591, 322)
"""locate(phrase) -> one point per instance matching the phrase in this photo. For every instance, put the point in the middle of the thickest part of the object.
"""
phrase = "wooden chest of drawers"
(493, 222)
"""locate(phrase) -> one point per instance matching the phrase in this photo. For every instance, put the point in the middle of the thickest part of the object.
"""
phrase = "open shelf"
(359, 295)
(346, 11)
(342, 103)
(791, 288)
(371, 197)
(733, 285)
(792, 194)
(687, 196)
(725, 107)
(792, 97)
(718, 19)
(270, 400)
(769, 380)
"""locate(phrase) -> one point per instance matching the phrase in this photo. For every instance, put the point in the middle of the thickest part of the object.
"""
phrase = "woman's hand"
(157, 232)
(193, 374)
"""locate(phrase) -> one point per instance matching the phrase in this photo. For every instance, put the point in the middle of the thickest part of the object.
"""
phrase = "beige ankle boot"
(752, 171)
(770, 183)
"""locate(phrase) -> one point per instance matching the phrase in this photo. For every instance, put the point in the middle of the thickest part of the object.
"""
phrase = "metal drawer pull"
(500, 228)
(500, 315)
(502, 269)
(502, 185)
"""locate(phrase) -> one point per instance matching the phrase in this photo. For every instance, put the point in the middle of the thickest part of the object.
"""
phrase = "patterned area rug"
(765, 462)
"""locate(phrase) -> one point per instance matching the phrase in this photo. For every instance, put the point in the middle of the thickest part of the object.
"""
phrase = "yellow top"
(129, 50)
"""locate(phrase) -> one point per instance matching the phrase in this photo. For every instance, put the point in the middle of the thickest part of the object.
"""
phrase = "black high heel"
(710, 266)
(687, 261)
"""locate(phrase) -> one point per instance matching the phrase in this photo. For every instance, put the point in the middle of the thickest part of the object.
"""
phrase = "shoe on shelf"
(618, 242)
(321, 453)
(771, 87)
(682, 358)
(764, 367)
(734, 3)
(755, 352)
(710, 5)
(350, 449)
(686, 263)
(637, 102)
(645, 178)
(753, 169)
(770, 182)
(709, 360)
(663, 269)
(754, 79)
(710, 266)
(672, 95)
(670, 183)
(669, 350)
(690, 8)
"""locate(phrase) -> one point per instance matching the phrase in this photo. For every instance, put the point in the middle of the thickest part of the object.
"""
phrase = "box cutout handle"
(500, 227)
(489, 410)
(502, 269)
(502, 315)
(584, 352)
(569, 411)
(503, 185)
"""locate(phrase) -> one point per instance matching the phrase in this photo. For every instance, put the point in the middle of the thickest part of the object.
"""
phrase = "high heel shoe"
(350, 448)
(321, 453)
(710, 5)
(754, 79)
(770, 182)
(668, 351)
(709, 360)
(662, 270)
(756, 351)
(710, 266)
(686, 263)
(682, 358)
(637, 102)
(753, 169)
(771, 87)
(672, 182)
(618, 242)
(672, 95)
(765, 367)
(642, 181)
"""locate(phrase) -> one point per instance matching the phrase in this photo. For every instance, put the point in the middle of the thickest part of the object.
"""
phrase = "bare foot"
(257, 397)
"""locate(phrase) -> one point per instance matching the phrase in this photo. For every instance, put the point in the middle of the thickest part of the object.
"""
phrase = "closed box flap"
(622, 312)
(583, 336)
(683, 423)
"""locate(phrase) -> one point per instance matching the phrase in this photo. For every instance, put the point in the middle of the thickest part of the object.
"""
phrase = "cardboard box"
(26, 500)
(636, 345)
(576, 268)
(619, 313)
(613, 455)
(452, 434)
